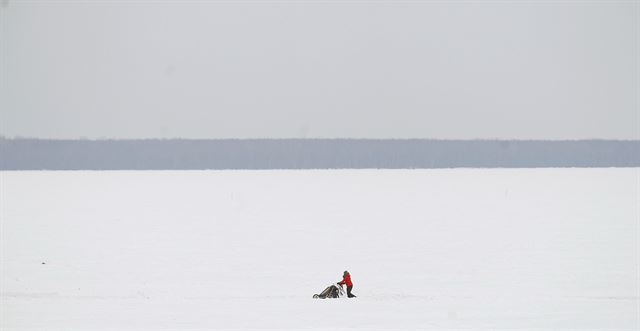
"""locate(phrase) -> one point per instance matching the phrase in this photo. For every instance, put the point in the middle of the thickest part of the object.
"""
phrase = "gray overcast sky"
(206, 69)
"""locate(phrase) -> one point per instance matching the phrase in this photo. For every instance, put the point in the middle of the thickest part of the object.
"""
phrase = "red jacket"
(346, 279)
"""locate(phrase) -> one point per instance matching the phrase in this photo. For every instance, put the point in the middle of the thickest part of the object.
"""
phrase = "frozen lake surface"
(427, 249)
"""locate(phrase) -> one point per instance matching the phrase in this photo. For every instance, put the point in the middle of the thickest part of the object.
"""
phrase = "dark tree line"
(33, 154)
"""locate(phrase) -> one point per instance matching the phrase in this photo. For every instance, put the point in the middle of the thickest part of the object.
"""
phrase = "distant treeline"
(36, 154)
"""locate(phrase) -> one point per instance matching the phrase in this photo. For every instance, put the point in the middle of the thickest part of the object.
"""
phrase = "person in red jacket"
(346, 280)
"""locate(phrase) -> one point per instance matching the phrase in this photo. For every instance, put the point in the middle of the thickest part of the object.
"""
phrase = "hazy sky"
(251, 69)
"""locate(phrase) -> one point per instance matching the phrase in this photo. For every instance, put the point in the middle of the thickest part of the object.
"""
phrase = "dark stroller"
(332, 291)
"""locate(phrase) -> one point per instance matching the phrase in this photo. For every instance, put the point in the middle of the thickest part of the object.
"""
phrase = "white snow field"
(246, 250)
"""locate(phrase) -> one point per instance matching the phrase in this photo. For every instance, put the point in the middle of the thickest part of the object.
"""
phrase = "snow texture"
(427, 249)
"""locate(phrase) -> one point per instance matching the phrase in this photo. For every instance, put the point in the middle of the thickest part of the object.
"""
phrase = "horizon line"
(320, 138)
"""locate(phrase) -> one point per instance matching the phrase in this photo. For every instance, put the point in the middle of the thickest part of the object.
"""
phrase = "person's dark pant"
(349, 292)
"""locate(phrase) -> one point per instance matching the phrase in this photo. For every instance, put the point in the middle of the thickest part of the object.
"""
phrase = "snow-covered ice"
(427, 249)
